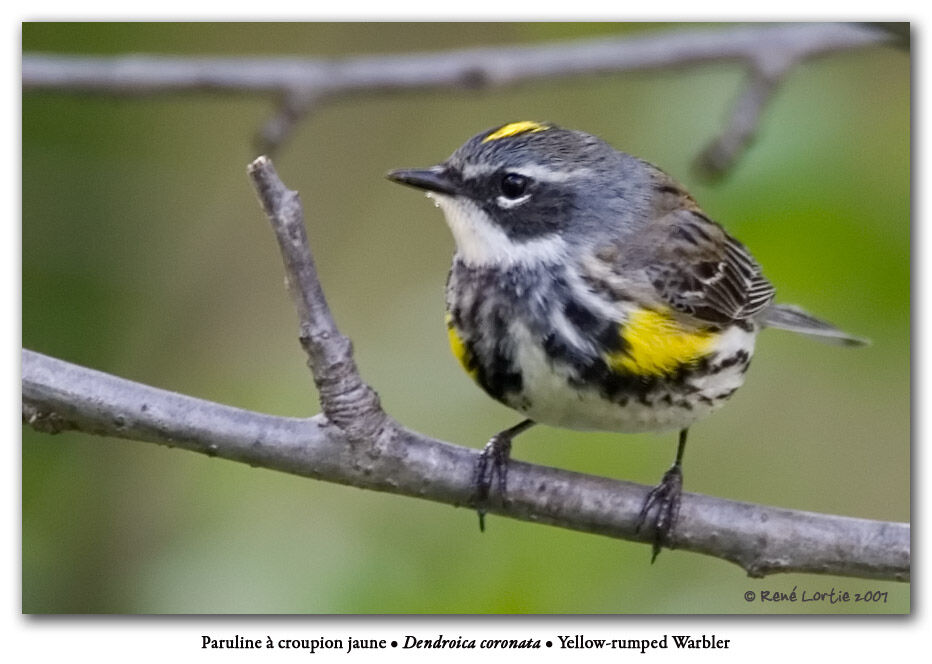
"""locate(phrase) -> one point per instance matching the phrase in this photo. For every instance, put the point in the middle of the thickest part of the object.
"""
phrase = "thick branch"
(305, 83)
(59, 396)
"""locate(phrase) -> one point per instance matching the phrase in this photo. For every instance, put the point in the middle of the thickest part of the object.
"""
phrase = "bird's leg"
(493, 460)
(666, 496)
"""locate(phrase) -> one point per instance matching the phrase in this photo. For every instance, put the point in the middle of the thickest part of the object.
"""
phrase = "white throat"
(479, 242)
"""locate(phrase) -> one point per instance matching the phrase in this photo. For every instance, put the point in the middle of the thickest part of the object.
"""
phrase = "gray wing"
(685, 260)
(699, 269)
(702, 271)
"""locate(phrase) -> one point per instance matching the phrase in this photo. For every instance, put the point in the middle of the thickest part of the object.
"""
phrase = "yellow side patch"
(459, 350)
(515, 128)
(656, 345)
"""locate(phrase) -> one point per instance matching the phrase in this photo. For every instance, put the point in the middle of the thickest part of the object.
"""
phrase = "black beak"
(429, 179)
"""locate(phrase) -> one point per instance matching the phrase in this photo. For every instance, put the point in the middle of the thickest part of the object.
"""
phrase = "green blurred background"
(145, 255)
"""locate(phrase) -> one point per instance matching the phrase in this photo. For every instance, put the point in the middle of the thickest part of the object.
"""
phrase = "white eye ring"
(508, 203)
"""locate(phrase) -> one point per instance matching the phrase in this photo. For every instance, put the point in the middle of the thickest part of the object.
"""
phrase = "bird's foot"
(666, 498)
(492, 463)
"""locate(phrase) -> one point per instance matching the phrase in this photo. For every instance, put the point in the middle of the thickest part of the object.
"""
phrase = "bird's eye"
(514, 185)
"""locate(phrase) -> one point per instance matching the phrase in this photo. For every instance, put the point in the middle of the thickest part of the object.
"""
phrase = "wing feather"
(686, 261)
(716, 280)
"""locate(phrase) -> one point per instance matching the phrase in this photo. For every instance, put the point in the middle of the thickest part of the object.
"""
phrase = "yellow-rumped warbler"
(589, 291)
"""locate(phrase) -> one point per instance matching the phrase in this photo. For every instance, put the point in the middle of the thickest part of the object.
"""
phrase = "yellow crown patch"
(515, 128)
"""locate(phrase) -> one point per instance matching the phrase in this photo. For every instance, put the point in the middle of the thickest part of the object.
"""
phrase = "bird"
(589, 291)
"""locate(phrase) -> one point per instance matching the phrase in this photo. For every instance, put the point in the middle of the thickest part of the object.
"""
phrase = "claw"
(492, 463)
(666, 497)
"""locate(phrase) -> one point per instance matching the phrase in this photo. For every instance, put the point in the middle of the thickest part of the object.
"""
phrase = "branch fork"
(346, 401)
(301, 86)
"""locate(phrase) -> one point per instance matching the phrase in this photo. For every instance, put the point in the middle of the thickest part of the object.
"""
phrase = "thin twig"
(306, 83)
(292, 109)
(346, 400)
(354, 442)
(722, 153)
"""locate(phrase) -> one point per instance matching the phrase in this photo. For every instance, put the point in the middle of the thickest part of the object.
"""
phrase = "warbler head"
(528, 192)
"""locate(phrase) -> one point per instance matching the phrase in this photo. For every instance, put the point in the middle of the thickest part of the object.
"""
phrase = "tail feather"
(794, 319)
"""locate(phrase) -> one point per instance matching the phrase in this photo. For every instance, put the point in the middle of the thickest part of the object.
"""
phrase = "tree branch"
(303, 85)
(346, 400)
(762, 82)
(58, 396)
(354, 442)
